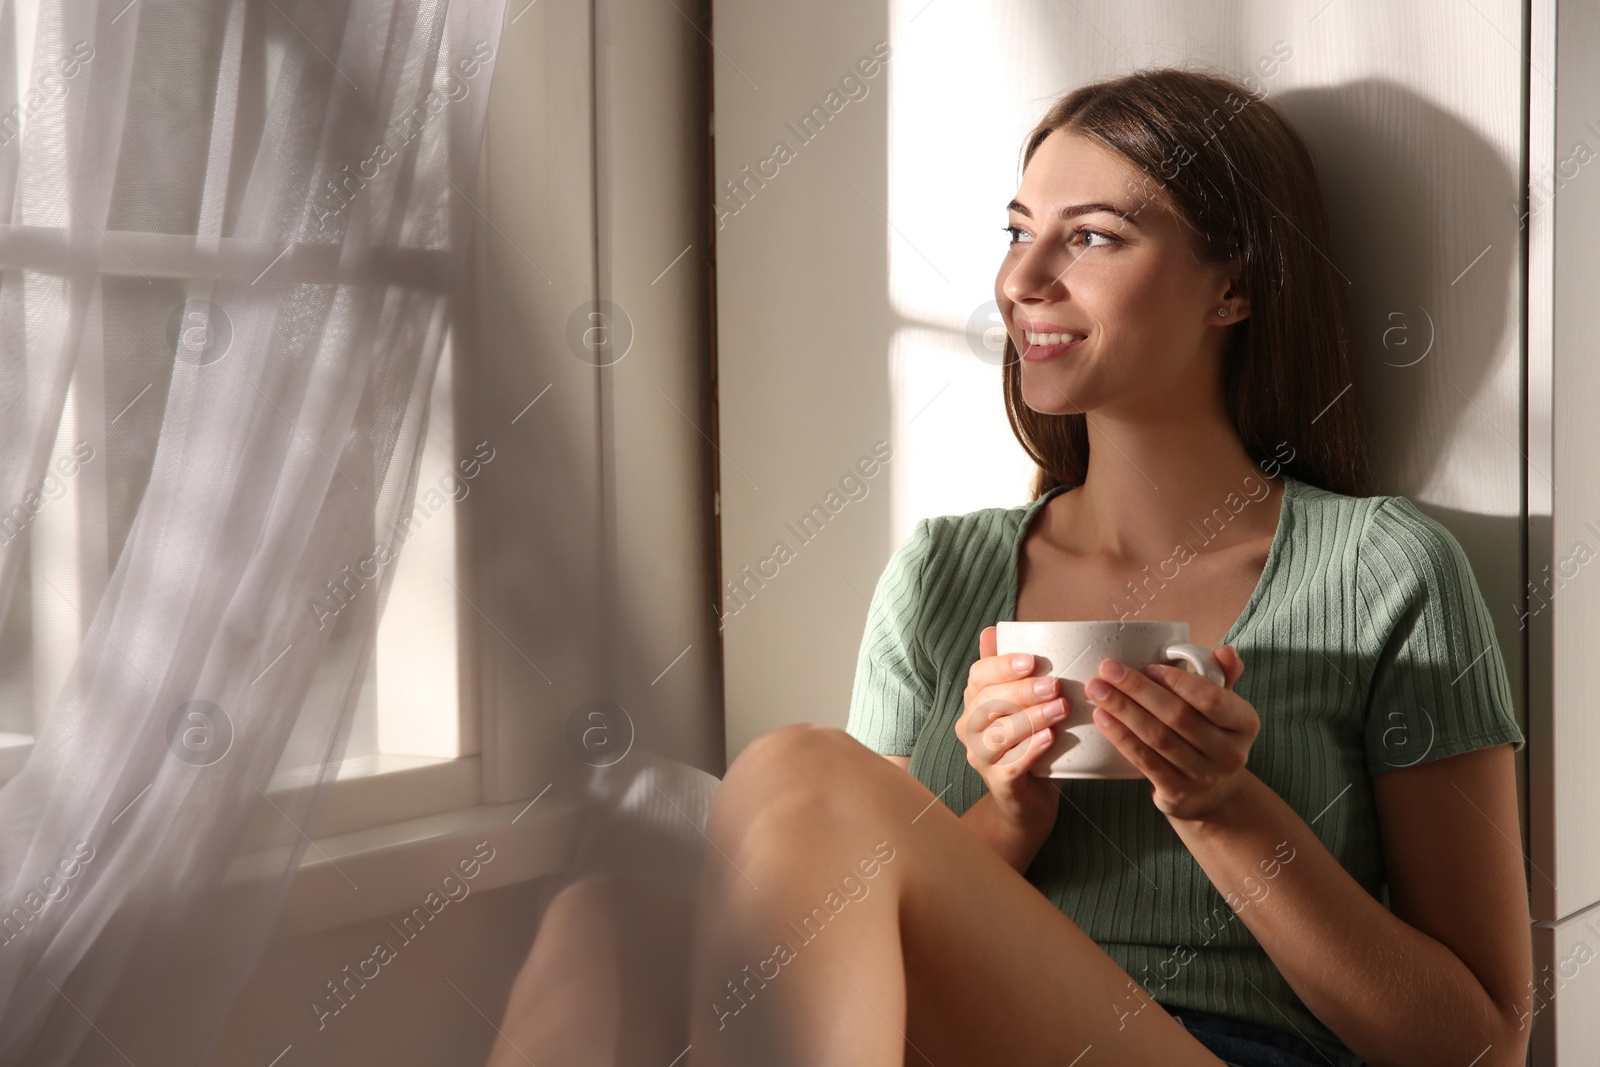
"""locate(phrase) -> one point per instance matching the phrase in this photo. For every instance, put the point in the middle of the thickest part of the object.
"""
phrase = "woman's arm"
(1442, 979)
(1017, 845)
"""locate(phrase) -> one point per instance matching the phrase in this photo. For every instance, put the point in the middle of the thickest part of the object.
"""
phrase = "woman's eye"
(1017, 233)
(1094, 233)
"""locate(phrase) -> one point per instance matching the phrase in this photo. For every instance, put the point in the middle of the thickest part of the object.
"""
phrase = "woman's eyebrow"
(1074, 210)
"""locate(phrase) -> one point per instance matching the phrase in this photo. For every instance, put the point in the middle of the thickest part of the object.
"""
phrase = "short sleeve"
(894, 682)
(1439, 685)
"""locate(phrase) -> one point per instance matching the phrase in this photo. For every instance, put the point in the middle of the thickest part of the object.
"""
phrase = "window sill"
(374, 791)
(369, 791)
(391, 828)
(364, 874)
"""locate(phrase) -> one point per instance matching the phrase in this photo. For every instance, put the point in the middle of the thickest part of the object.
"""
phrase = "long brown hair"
(1240, 180)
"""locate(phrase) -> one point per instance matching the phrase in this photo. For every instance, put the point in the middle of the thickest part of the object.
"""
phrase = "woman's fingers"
(1014, 672)
(1232, 666)
(1009, 710)
(1008, 733)
(1195, 726)
(1004, 698)
(1009, 713)
(1005, 679)
(1145, 731)
(998, 670)
(1153, 701)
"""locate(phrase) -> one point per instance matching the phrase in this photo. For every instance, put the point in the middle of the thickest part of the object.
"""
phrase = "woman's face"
(1118, 273)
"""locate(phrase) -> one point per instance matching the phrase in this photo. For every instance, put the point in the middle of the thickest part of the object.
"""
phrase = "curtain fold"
(234, 228)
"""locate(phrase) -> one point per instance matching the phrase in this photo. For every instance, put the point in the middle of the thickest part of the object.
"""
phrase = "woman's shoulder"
(1382, 522)
(1332, 503)
(1385, 524)
(990, 522)
(1410, 551)
(953, 554)
(964, 537)
(1405, 561)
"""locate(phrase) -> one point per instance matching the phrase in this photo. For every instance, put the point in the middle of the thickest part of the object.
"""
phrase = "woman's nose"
(1038, 273)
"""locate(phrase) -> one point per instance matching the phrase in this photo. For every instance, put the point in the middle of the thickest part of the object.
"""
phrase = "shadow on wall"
(1428, 221)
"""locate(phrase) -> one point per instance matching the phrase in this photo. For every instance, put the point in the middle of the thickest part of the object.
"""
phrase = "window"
(561, 548)
(412, 775)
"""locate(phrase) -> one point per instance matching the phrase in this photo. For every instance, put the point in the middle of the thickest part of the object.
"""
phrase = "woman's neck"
(1148, 491)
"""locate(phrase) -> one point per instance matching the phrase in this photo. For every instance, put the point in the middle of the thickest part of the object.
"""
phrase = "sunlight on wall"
(953, 447)
(953, 152)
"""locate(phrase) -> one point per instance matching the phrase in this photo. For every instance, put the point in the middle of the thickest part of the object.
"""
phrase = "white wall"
(804, 327)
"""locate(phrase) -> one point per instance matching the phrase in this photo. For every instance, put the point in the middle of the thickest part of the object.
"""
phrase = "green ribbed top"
(1367, 648)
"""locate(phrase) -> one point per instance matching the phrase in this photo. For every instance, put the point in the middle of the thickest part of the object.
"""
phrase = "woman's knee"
(806, 769)
(801, 755)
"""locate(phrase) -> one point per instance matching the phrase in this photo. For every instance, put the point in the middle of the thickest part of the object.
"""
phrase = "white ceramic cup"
(1072, 651)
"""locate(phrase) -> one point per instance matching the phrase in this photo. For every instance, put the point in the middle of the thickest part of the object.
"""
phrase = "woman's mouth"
(1038, 347)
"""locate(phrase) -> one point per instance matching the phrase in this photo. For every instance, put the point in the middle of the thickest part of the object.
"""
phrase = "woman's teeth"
(1052, 338)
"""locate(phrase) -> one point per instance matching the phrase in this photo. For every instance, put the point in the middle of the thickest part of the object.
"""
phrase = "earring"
(1222, 311)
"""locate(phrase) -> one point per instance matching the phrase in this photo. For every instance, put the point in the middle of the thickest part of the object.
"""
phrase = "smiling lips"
(1047, 340)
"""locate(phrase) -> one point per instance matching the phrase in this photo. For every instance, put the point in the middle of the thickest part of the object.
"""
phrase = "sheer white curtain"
(235, 229)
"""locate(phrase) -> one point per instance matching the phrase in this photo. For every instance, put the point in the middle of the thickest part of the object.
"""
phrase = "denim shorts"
(1243, 1044)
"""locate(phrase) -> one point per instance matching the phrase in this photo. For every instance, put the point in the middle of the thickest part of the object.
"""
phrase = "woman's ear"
(1233, 298)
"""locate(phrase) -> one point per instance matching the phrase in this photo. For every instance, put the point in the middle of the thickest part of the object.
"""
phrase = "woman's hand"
(1188, 735)
(1006, 728)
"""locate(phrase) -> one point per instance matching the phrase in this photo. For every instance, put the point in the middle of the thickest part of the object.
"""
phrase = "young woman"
(1321, 863)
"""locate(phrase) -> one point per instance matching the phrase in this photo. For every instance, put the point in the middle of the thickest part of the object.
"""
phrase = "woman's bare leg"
(605, 981)
(990, 970)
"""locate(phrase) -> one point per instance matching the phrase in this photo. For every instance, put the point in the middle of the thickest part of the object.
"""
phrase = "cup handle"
(1199, 657)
